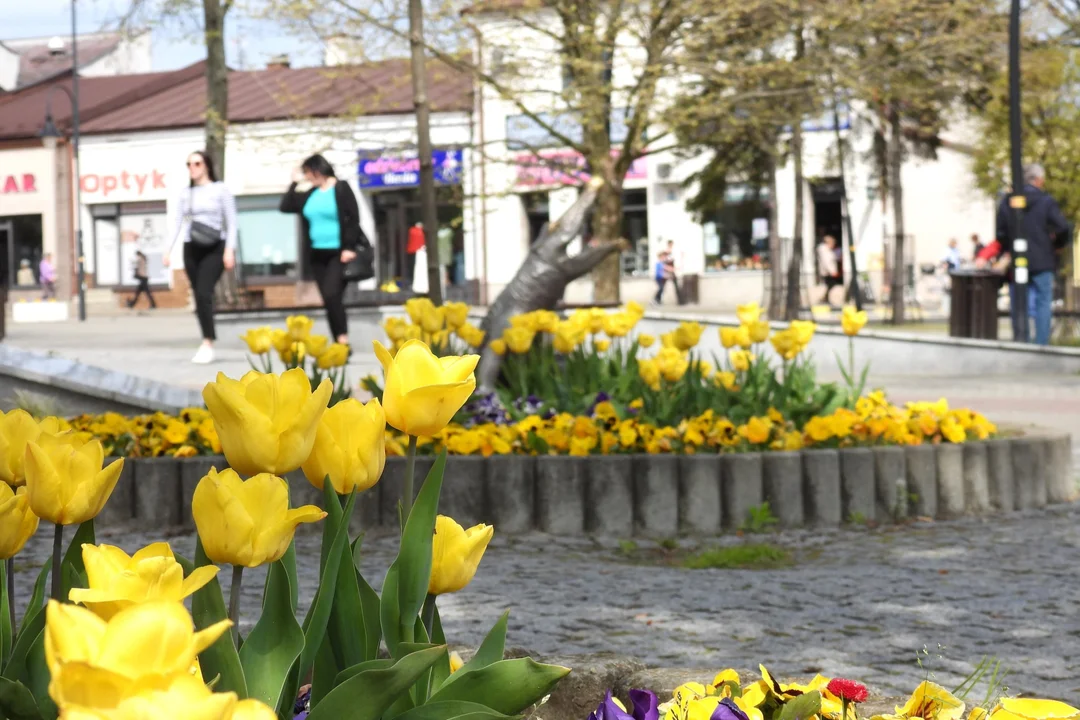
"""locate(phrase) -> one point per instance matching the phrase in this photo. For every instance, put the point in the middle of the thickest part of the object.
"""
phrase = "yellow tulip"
(687, 335)
(17, 430)
(456, 313)
(472, 335)
(546, 321)
(729, 337)
(759, 331)
(249, 522)
(433, 320)
(178, 697)
(498, 347)
(804, 331)
(298, 327)
(251, 710)
(646, 341)
(350, 447)
(518, 339)
(316, 345)
(635, 310)
(725, 380)
(740, 360)
(852, 321)
(742, 337)
(673, 364)
(293, 353)
(786, 343)
(930, 700)
(1033, 709)
(96, 663)
(395, 328)
(259, 340)
(118, 581)
(335, 356)
(601, 345)
(266, 422)
(596, 318)
(456, 663)
(417, 308)
(65, 482)
(749, 313)
(455, 554)
(17, 522)
(423, 392)
(618, 325)
(649, 370)
(280, 340)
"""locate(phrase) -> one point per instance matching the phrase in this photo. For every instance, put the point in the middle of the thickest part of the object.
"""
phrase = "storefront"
(29, 217)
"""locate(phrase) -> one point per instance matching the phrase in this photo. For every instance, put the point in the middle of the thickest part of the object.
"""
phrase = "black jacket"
(348, 214)
(1042, 217)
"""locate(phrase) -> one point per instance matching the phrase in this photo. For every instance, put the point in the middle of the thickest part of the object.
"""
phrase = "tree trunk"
(428, 212)
(794, 277)
(776, 270)
(607, 229)
(217, 83)
(899, 274)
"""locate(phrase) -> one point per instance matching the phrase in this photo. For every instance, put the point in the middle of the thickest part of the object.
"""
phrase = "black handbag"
(361, 267)
(201, 233)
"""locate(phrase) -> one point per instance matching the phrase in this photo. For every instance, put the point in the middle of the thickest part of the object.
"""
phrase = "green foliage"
(759, 519)
(752, 556)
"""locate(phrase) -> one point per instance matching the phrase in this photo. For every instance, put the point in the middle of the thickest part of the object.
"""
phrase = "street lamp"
(1016, 200)
(49, 135)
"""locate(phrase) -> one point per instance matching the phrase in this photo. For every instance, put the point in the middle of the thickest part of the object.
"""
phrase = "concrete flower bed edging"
(665, 495)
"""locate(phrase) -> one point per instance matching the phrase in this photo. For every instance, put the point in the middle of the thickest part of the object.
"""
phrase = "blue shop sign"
(403, 170)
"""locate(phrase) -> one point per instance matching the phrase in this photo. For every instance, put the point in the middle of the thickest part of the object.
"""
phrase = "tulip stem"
(407, 489)
(427, 615)
(11, 590)
(57, 554)
(234, 602)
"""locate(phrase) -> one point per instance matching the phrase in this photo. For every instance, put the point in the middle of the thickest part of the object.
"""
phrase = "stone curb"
(661, 496)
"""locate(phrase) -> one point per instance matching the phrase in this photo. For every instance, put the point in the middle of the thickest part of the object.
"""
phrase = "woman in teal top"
(331, 225)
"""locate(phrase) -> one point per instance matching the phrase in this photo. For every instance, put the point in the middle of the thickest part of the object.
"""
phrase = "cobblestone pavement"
(859, 603)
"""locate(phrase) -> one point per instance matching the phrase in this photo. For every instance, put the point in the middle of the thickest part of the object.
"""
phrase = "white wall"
(33, 188)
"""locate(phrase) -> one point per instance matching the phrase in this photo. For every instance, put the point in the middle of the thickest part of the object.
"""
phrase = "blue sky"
(252, 41)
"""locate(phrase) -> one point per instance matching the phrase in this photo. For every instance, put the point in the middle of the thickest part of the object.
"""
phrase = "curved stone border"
(662, 496)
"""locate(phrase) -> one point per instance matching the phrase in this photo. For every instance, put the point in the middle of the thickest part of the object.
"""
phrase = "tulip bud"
(423, 392)
(17, 522)
(456, 554)
(349, 447)
(65, 481)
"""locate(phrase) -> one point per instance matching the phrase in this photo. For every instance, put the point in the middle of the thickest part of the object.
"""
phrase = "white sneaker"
(204, 356)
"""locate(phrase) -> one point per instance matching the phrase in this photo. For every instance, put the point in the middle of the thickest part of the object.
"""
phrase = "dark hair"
(318, 165)
(208, 164)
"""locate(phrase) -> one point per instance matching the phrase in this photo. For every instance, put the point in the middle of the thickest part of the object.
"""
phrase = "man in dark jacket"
(1046, 230)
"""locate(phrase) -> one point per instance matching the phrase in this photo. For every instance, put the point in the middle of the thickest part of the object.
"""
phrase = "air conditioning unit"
(663, 171)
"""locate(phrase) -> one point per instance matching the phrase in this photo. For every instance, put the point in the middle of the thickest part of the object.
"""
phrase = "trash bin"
(974, 312)
(688, 290)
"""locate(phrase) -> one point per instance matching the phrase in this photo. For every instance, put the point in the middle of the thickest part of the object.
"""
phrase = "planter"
(857, 489)
(1061, 487)
(950, 481)
(921, 480)
(1023, 468)
(742, 487)
(609, 492)
(821, 487)
(511, 492)
(192, 470)
(560, 495)
(120, 507)
(890, 479)
(976, 478)
(699, 494)
(656, 495)
(1000, 465)
(784, 487)
(463, 491)
(157, 492)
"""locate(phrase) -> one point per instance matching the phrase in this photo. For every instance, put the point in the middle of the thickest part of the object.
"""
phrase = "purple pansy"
(728, 710)
(644, 705)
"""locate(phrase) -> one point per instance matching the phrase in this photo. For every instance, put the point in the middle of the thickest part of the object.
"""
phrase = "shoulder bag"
(200, 233)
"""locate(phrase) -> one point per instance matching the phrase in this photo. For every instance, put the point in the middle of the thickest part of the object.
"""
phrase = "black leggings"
(204, 266)
(329, 275)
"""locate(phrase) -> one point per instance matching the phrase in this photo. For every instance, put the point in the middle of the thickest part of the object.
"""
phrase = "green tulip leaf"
(37, 597)
(351, 672)
(37, 676)
(332, 505)
(83, 536)
(346, 639)
(275, 642)
(803, 707)
(410, 574)
(318, 617)
(454, 710)
(440, 671)
(17, 702)
(380, 689)
(16, 668)
(489, 652)
(507, 686)
(324, 672)
(289, 561)
(7, 631)
(221, 658)
(369, 607)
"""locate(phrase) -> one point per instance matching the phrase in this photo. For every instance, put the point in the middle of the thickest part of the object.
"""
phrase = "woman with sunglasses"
(206, 219)
(330, 218)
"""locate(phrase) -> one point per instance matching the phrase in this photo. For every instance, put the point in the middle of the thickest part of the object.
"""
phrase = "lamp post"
(1017, 201)
(49, 134)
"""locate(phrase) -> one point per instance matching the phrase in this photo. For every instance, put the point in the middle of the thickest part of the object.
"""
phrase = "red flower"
(848, 690)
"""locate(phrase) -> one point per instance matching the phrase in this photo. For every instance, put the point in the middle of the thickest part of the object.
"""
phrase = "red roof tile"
(38, 63)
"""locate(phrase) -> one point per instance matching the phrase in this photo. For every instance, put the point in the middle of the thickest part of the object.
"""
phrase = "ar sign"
(404, 171)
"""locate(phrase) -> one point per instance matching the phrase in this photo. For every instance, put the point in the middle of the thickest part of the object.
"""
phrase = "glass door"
(6, 244)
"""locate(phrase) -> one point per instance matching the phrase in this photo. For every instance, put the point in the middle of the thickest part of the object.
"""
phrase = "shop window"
(737, 234)
(119, 231)
(538, 212)
(636, 232)
(20, 250)
(268, 239)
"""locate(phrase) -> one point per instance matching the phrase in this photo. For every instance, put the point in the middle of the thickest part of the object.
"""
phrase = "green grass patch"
(755, 556)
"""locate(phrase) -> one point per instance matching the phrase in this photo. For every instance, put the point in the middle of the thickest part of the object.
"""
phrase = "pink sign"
(564, 167)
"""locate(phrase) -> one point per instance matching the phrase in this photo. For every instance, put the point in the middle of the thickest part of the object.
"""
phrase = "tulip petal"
(417, 366)
(458, 368)
(385, 358)
(429, 408)
(198, 579)
(82, 684)
(152, 638)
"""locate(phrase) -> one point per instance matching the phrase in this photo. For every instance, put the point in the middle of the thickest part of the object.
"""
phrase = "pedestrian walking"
(415, 243)
(47, 275)
(828, 265)
(330, 218)
(1046, 231)
(142, 277)
(206, 220)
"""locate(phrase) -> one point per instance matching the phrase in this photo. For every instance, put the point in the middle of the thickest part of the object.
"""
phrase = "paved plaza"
(858, 603)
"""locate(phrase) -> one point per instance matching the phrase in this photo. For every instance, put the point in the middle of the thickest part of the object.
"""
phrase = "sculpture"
(543, 277)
